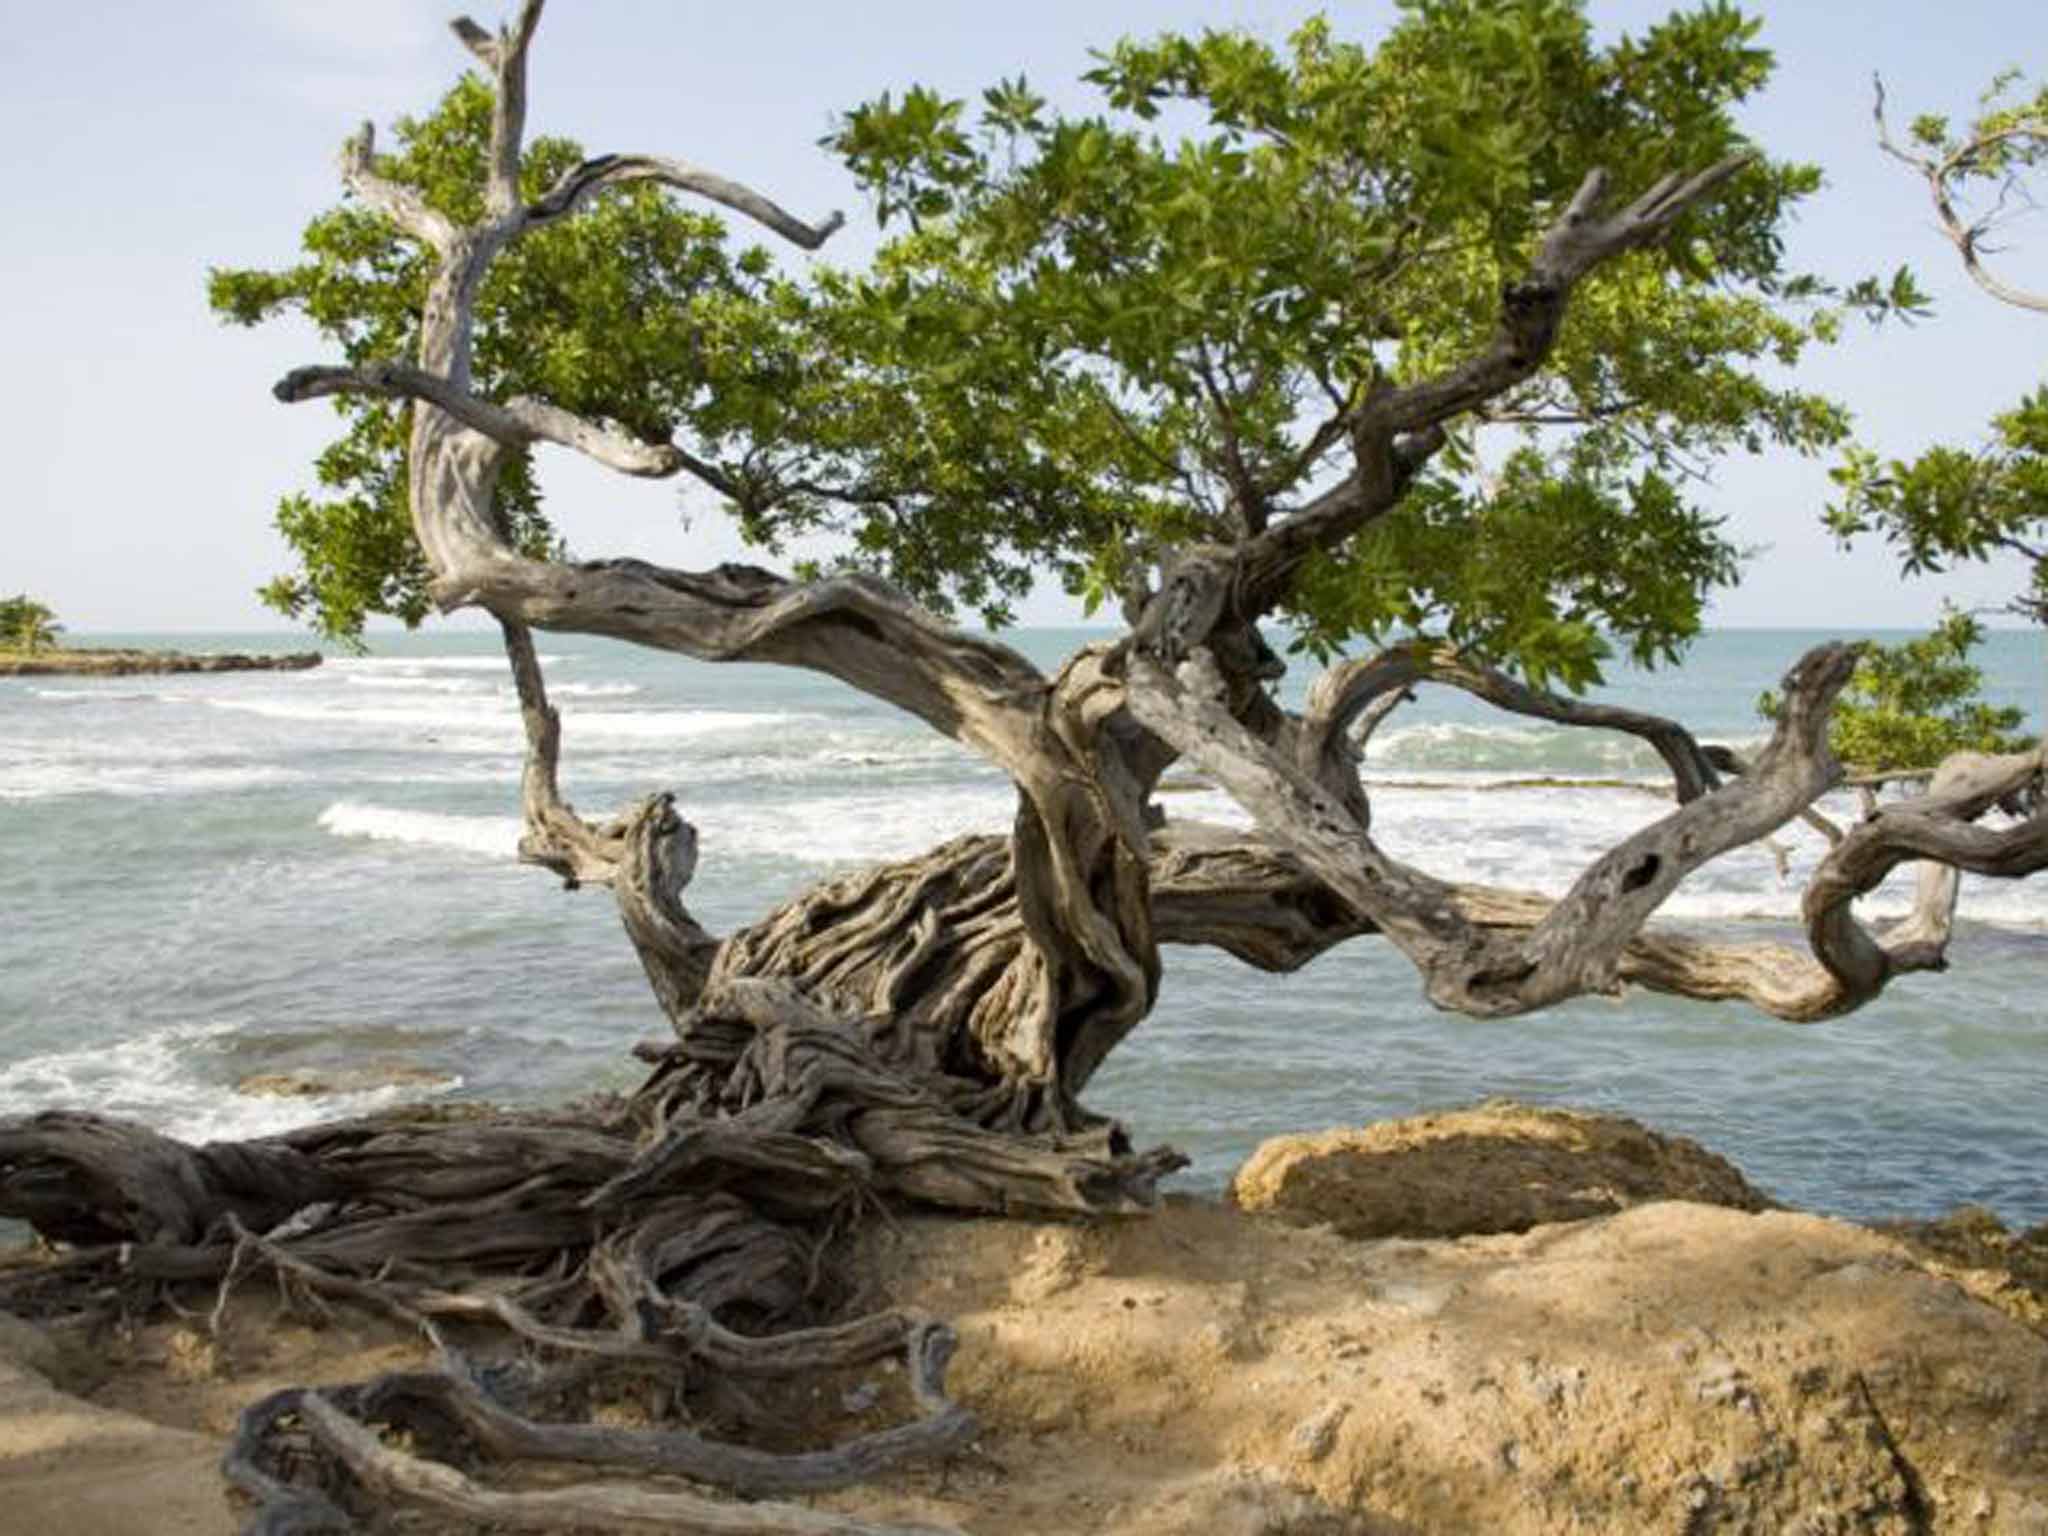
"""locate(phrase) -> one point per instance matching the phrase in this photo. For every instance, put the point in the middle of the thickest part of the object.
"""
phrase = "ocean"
(210, 877)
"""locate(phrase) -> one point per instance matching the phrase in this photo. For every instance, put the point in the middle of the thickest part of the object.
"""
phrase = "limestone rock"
(311, 1082)
(1497, 1167)
(1673, 1368)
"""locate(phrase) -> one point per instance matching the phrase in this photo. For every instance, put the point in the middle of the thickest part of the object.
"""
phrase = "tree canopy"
(27, 625)
(1910, 705)
(1092, 338)
(624, 312)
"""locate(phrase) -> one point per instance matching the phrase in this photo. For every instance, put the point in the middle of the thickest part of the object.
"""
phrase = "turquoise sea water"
(206, 877)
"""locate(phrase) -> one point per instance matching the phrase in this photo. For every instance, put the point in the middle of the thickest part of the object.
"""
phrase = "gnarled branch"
(581, 183)
(515, 423)
(1341, 694)
(1579, 943)
(1937, 826)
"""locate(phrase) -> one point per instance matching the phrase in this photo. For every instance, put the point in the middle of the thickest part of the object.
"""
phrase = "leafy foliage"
(1092, 339)
(1194, 318)
(601, 314)
(27, 625)
(1910, 705)
(1952, 504)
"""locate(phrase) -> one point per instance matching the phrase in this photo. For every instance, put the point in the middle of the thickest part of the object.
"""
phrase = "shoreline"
(125, 663)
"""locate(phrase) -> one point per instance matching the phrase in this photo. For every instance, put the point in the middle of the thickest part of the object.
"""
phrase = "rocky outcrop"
(1674, 1368)
(1498, 1167)
(125, 663)
(312, 1082)
(1972, 1247)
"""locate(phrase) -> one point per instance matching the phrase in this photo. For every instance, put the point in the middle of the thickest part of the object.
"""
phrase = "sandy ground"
(1676, 1367)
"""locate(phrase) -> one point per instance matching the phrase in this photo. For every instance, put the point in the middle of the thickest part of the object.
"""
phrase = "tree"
(1912, 705)
(1383, 352)
(1954, 503)
(28, 625)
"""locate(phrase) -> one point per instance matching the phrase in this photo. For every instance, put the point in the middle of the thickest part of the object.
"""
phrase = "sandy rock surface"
(1497, 1167)
(68, 1466)
(1674, 1367)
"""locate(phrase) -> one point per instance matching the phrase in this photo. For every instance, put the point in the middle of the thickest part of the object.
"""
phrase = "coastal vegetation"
(1910, 706)
(30, 647)
(27, 625)
(1408, 349)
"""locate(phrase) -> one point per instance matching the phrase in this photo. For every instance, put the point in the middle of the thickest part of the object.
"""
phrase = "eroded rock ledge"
(1499, 1166)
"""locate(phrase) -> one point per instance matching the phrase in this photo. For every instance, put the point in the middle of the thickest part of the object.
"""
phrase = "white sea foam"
(490, 836)
(674, 724)
(411, 682)
(348, 664)
(480, 710)
(59, 779)
(482, 687)
(94, 695)
(499, 716)
(591, 690)
(153, 1078)
(828, 831)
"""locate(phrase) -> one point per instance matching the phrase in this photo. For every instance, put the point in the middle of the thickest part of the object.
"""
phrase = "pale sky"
(142, 143)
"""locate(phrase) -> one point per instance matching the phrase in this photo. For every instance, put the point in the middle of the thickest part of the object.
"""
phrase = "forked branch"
(1532, 309)
(504, 54)
(401, 204)
(1396, 429)
(1941, 175)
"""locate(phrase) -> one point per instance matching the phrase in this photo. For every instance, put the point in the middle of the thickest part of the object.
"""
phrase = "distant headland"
(121, 663)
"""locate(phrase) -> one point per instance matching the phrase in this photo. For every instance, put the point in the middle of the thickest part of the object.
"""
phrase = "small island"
(29, 647)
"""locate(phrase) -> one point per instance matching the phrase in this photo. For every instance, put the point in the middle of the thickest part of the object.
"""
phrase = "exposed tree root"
(679, 1245)
(411, 1480)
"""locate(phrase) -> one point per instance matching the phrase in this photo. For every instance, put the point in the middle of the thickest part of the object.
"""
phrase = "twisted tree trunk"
(919, 1032)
